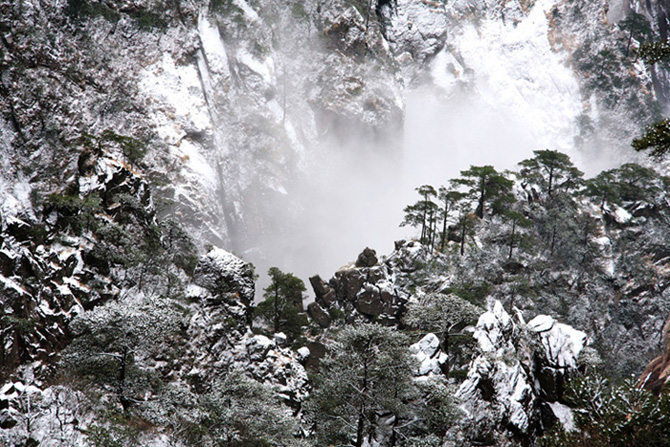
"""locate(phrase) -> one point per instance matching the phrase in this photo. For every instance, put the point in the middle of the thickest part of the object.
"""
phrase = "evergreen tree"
(442, 315)
(609, 415)
(638, 183)
(518, 221)
(110, 342)
(282, 307)
(604, 188)
(656, 137)
(449, 199)
(653, 52)
(240, 412)
(637, 27)
(487, 187)
(465, 226)
(366, 374)
(550, 170)
(423, 213)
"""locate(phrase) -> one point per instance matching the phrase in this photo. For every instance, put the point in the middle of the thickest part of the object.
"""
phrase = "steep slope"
(136, 135)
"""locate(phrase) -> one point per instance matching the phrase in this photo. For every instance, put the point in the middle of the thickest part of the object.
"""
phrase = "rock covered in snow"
(226, 277)
(276, 365)
(428, 355)
(366, 290)
(415, 30)
(31, 414)
(258, 346)
(561, 342)
(509, 383)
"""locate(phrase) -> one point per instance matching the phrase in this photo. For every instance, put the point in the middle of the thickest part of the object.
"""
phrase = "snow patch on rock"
(428, 355)
(417, 30)
(561, 342)
(504, 383)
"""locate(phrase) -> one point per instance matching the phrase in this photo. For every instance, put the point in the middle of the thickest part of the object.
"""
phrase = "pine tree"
(604, 188)
(366, 374)
(110, 341)
(465, 225)
(609, 415)
(487, 187)
(282, 307)
(518, 221)
(656, 137)
(423, 213)
(240, 412)
(637, 26)
(551, 171)
(449, 199)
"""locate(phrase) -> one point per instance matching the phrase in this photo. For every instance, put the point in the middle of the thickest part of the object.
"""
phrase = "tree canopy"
(367, 373)
(488, 188)
(550, 170)
(282, 307)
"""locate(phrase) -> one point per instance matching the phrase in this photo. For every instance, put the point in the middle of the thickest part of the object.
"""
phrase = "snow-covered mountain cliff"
(151, 150)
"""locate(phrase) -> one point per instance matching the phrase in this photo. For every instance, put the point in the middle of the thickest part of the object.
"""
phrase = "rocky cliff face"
(134, 135)
(236, 102)
(655, 375)
(518, 381)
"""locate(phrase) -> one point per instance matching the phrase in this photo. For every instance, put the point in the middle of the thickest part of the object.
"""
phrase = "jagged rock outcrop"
(51, 271)
(213, 340)
(368, 290)
(227, 279)
(220, 333)
(429, 356)
(417, 31)
(517, 382)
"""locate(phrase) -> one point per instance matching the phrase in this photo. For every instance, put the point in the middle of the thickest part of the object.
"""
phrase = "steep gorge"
(138, 138)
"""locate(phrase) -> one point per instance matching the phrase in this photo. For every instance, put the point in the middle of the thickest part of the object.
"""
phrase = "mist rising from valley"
(504, 93)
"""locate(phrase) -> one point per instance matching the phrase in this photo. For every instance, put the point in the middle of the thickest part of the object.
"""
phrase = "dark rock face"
(226, 276)
(367, 258)
(316, 352)
(44, 283)
(325, 294)
(368, 291)
(369, 302)
(319, 315)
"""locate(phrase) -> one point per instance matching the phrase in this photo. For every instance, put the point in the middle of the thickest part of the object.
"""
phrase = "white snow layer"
(491, 328)
(564, 414)
(507, 370)
(516, 77)
(561, 342)
(426, 352)
(177, 95)
(212, 45)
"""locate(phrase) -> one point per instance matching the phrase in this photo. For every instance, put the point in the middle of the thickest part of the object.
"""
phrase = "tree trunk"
(276, 306)
(445, 347)
(360, 429)
(553, 240)
(511, 242)
(482, 195)
(444, 227)
(630, 39)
